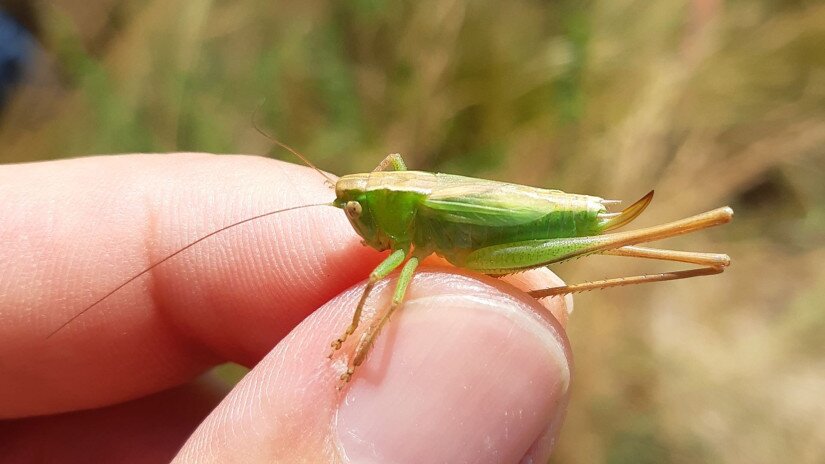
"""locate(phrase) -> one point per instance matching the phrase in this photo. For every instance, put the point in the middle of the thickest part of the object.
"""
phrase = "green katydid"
(493, 228)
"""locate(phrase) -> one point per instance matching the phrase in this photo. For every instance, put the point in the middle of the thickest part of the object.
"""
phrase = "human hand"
(470, 370)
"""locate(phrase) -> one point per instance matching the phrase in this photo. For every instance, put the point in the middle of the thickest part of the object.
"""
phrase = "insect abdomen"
(454, 239)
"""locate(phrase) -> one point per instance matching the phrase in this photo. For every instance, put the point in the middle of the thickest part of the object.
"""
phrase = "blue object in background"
(16, 47)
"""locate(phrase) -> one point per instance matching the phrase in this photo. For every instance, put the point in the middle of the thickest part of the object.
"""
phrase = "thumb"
(467, 370)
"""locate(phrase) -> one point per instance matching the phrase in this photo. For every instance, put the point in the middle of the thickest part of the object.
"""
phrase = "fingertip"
(561, 306)
(468, 372)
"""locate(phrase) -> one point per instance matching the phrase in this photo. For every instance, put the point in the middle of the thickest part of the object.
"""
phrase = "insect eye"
(353, 208)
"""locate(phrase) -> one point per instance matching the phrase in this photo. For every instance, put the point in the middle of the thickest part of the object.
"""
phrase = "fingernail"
(456, 378)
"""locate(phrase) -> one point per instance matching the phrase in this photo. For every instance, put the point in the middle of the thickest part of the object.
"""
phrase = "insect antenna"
(295, 152)
(172, 255)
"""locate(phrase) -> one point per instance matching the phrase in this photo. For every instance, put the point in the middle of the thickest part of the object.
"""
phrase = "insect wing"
(487, 203)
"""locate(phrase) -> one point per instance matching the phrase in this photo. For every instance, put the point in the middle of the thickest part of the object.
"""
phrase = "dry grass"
(709, 103)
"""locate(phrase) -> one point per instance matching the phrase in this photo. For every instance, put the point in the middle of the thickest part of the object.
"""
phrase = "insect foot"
(336, 345)
(345, 378)
(360, 354)
(342, 369)
(338, 342)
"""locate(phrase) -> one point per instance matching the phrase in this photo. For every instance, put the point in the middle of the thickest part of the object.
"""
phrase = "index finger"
(75, 229)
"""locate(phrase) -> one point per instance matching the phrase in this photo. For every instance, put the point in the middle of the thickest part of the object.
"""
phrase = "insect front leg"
(382, 270)
(369, 336)
(393, 162)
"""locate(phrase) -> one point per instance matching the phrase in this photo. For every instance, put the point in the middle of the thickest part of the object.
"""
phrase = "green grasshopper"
(493, 228)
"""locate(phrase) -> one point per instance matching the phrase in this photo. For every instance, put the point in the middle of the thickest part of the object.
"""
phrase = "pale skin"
(124, 382)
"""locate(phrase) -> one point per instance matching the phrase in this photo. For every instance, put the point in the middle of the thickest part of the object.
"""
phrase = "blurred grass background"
(708, 102)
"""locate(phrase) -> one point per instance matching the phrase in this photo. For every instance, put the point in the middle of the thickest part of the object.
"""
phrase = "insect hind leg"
(713, 263)
(623, 281)
(690, 257)
(508, 258)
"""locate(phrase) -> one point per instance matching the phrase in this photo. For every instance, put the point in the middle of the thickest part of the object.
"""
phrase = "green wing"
(487, 203)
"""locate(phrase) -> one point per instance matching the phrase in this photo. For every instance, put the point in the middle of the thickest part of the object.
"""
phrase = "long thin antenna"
(172, 255)
(285, 146)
